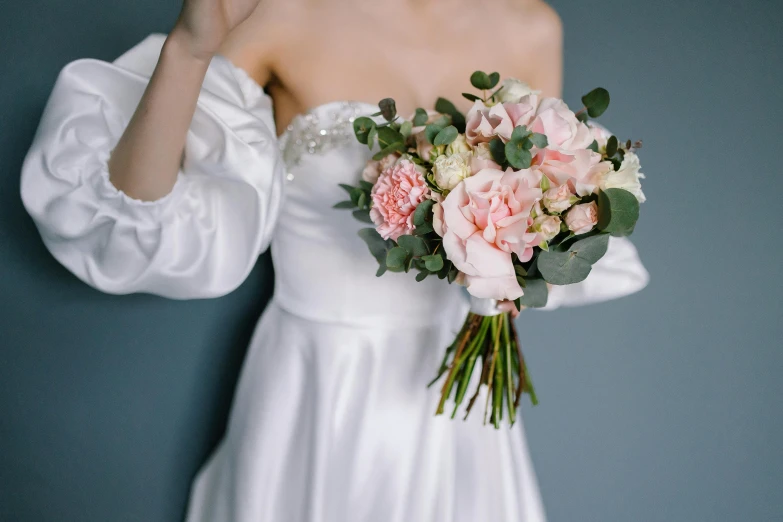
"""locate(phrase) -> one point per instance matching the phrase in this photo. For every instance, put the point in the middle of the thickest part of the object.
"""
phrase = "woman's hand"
(203, 25)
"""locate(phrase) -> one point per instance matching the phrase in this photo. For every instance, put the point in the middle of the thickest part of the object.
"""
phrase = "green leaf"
(421, 276)
(582, 116)
(494, 78)
(366, 185)
(362, 200)
(414, 245)
(518, 304)
(618, 211)
(520, 270)
(536, 294)
(406, 128)
(596, 101)
(433, 263)
(423, 212)
(539, 140)
(345, 204)
(481, 80)
(423, 230)
(362, 127)
(471, 97)
(545, 185)
(446, 136)
(444, 106)
(611, 146)
(593, 146)
(377, 245)
(517, 155)
(363, 215)
(394, 147)
(420, 118)
(498, 150)
(371, 137)
(396, 257)
(453, 273)
(521, 281)
(388, 109)
(388, 136)
(520, 134)
(356, 193)
(431, 131)
(574, 265)
(347, 188)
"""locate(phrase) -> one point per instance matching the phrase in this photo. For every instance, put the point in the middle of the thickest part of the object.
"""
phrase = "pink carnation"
(399, 190)
(484, 220)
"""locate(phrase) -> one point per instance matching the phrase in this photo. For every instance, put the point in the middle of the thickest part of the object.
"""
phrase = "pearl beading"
(318, 131)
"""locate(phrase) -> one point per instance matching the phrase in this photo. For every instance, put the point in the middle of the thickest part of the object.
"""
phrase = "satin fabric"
(332, 420)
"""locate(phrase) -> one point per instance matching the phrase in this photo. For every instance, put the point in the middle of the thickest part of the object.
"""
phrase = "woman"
(162, 172)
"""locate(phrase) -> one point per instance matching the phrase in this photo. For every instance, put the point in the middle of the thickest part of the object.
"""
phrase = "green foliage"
(444, 106)
(596, 102)
(536, 293)
(362, 127)
(539, 140)
(396, 257)
(471, 97)
(611, 146)
(363, 215)
(446, 136)
(420, 118)
(414, 245)
(423, 213)
(433, 263)
(618, 211)
(498, 150)
(431, 131)
(593, 146)
(484, 81)
(405, 129)
(388, 109)
(518, 148)
(573, 265)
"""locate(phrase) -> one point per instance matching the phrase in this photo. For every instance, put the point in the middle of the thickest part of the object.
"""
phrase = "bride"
(167, 172)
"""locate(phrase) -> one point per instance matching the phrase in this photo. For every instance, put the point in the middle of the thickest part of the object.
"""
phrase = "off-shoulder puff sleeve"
(619, 273)
(200, 240)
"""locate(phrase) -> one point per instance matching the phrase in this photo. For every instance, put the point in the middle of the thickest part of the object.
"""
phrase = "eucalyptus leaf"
(423, 230)
(406, 128)
(574, 265)
(371, 137)
(423, 212)
(388, 109)
(362, 200)
(539, 140)
(377, 245)
(618, 211)
(611, 146)
(420, 118)
(520, 270)
(446, 136)
(414, 245)
(481, 80)
(596, 101)
(517, 155)
(494, 78)
(536, 294)
(362, 127)
(431, 131)
(498, 150)
(345, 204)
(593, 146)
(582, 116)
(388, 136)
(396, 257)
(433, 263)
(394, 147)
(363, 215)
(444, 106)
(366, 185)
(347, 188)
(471, 97)
(421, 276)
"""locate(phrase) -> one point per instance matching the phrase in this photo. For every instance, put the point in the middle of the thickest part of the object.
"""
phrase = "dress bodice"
(323, 269)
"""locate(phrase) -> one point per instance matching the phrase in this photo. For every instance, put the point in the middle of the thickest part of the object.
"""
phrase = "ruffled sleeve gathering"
(619, 273)
(200, 240)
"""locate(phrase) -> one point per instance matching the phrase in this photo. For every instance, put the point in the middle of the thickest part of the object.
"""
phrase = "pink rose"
(559, 199)
(484, 220)
(580, 169)
(398, 191)
(562, 129)
(547, 226)
(484, 123)
(582, 218)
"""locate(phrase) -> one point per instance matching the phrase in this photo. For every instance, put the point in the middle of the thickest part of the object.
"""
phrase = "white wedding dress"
(332, 420)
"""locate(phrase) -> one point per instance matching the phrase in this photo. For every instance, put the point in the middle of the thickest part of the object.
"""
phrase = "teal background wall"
(108, 405)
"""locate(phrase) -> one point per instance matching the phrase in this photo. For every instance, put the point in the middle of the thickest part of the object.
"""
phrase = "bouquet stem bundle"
(493, 339)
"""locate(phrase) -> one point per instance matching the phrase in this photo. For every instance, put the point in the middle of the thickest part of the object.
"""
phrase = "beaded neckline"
(320, 129)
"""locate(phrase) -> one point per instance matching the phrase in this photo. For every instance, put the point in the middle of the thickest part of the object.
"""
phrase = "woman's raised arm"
(146, 160)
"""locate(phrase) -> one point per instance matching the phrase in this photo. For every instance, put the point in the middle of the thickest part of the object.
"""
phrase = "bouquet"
(517, 195)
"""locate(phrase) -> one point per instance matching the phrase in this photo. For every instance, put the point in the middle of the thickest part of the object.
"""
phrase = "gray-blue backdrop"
(108, 405)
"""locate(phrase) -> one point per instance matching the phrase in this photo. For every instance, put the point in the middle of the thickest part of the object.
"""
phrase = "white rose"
(626, 178)
(458, 145)
(450, 170)
(481, 150)
(514, 90)
(547, 226)
(559, 199)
